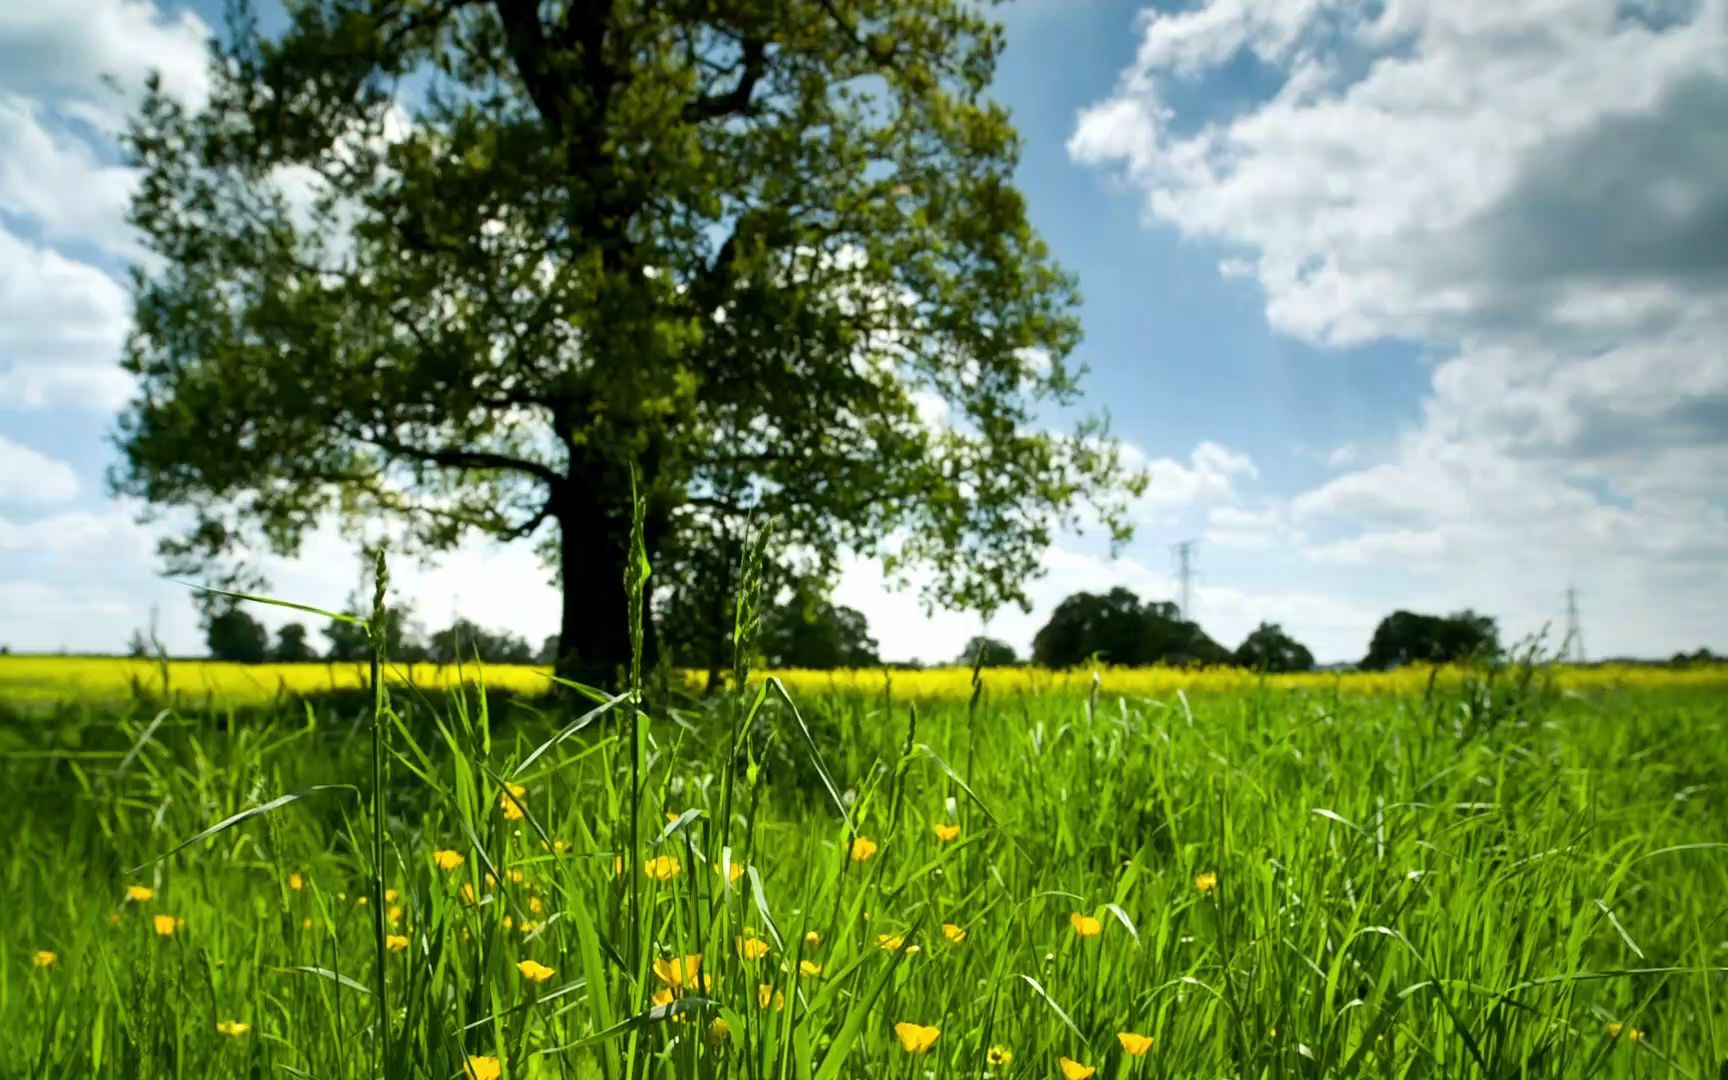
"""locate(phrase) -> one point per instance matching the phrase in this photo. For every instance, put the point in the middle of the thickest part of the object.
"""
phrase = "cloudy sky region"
(1402, 304)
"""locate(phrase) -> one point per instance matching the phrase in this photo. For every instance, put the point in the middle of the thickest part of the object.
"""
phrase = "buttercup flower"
(396, 942)
(448, 860)
(43, 958)
(862, 848)
(534, 973)
(1618, 1030)
(1134, 1044)
(813, 939)
(752, 948)
(661, 868)
(766, 995)
(296, 882)
(999, 1055)
(1206, 882)
(954, 934)
(718, 1032)
(140, 894)
(891, 942)
(945, 832)
(512, 809)
(390, 896)
(233, 1028)
(916, 1038)
(662, 996)
(1085, 925)
(678, 972)
(1073, 1070)
(165, 925)
(809, 967)
(734, 871)
(482, 1068)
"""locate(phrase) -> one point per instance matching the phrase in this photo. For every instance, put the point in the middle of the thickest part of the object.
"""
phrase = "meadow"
(1479, 875)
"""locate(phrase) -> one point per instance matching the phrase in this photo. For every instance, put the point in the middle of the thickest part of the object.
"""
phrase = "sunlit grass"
(1256, 883)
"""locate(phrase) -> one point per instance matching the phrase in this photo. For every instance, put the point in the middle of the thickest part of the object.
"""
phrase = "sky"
(1401, 304)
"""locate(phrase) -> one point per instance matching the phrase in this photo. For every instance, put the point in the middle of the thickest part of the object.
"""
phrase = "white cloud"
(54, 177)
(33, 477)
(70, 47)
(1210, 474)
(1536, 192)
(62, 323)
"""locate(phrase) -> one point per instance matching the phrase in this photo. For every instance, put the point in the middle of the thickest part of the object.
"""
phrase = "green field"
(1522, 883)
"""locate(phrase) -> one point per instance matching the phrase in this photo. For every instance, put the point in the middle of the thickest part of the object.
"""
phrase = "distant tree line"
(232, 634)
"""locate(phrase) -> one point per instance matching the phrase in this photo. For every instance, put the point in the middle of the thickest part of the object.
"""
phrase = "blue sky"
(1401, 304)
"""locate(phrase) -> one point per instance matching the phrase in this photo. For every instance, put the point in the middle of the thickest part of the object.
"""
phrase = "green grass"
(1406, 887)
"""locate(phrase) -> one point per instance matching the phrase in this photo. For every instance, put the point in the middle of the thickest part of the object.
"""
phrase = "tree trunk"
(594, 625)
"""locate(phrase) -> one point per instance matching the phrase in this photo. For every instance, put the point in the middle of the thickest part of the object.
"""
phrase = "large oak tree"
(464, 264)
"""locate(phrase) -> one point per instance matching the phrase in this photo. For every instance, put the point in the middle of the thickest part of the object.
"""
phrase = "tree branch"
(452, 458)
(736, 101)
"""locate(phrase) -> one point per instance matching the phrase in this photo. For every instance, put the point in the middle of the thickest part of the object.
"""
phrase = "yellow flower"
(306, 923)
(516, 876)
(166, 925)
(766, 995)
(467, 892)
(752, 948)
(528, 926)
(394, 914)
(140, 894)
(813, 939)
(1617, 1029)
(617, 865)
(999, 1055)
(891, 942)
(1206, 882)
(809, 967)
(491, 882)
(678, 972)
(662, 996)
(1073, 1070)
(512, 809)
(718, 1032)
(448, 860)
(536, 905)
(296, 882)
(360, 901)
(233, 1028)
(862, 848)
(43, 958)
(661, 868)
(734, 871)
(534, 973)
(482, 1068)
(916, 1038)
(1134, 1044)
(341, 898)
(390, 896)
(945, 832)
(671, 816)
(954, 934)
(1086, 925)
(395, 942)
(559, 847)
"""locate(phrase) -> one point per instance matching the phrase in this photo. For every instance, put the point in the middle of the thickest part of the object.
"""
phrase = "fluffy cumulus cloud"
(33, 477)
(1536, 196)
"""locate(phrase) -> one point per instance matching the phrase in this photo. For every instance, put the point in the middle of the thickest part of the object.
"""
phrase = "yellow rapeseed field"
(40, 679)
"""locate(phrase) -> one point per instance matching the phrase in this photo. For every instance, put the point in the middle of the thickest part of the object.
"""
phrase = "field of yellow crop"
(47, 679)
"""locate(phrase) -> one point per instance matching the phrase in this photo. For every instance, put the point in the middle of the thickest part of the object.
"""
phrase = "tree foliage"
(1268, 648)
(292, 646)
(983, 651)
(233, 635)
(810, 631)
(1405, 637)
(767, 253)
(464, 640)
(1120, 629)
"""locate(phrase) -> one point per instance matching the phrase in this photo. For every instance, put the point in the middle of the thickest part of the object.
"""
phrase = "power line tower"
(1184, 552)
(1574, 632)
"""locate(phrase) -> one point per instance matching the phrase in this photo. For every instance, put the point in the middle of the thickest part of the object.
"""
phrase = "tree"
(138, 646)
(291, 645)
(1405, 637)
(812, 632)
(1269, 648)
(350, 642)
(1121, 630)
(744, 257)
(987, 652)
(465, 640)
(548, 653)
(236, 636)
